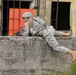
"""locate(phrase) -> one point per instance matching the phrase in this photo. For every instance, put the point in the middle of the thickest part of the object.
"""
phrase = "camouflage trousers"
(48, 36)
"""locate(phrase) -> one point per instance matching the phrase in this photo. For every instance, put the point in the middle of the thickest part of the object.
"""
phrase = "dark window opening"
(63, 20)
(7, 4)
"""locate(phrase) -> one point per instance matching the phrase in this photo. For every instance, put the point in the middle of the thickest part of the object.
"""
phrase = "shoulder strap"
(30, 22)
(30, 25)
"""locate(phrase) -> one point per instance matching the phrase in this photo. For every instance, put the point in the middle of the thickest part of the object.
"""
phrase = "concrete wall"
(32, 56)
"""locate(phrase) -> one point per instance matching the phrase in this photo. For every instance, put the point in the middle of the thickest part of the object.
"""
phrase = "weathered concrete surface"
(32, 56)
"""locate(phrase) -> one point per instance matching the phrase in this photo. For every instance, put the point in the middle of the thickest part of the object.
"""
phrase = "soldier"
(38, 27)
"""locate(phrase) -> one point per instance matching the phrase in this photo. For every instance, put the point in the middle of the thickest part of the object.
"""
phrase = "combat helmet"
(27, 15)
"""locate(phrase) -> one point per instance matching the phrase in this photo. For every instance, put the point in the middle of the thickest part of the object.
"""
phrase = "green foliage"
(73, 72)
(73, 68)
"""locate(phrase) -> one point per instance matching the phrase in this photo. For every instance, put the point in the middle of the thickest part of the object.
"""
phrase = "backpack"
(38, 24)
(39, 20)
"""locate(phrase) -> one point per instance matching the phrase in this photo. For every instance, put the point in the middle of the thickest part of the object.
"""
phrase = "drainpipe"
(38, 7)
(57, 14)
(1, 18)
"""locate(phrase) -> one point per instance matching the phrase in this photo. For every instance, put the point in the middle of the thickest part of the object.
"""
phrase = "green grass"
(73, 71)
(73, 68)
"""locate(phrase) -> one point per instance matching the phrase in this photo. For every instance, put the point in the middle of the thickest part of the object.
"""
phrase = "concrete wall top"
(32, 54)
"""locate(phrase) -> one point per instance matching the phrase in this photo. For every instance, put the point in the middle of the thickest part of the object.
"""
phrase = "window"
(12, 19)
(63, 18)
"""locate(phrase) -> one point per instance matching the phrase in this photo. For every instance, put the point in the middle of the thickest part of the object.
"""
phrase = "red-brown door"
(15, 19)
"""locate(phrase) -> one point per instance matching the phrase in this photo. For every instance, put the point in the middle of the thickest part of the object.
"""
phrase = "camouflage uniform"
(26, 26)
(47, 33)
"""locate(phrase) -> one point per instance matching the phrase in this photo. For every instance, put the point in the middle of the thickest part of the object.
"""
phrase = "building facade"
(12, 20)
(68, 22)
(59, 13)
